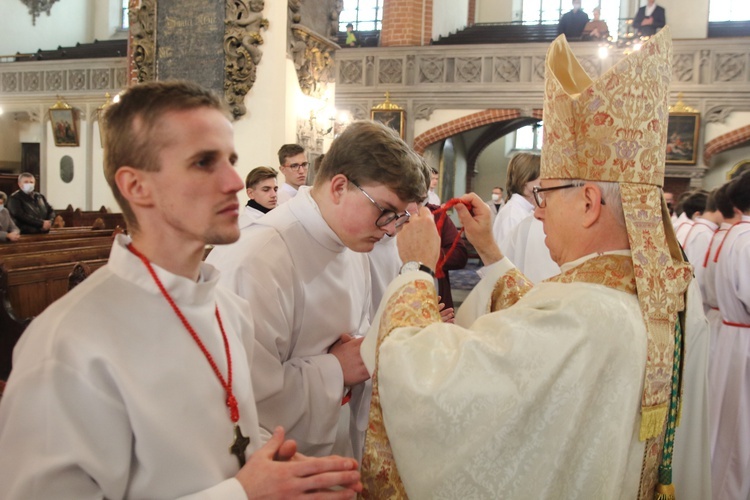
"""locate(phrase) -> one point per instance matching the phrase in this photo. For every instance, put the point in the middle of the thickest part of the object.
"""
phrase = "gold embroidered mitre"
(614, 129)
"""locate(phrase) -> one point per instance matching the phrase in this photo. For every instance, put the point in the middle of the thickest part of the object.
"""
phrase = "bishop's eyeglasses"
(540, 198)
(386, 216)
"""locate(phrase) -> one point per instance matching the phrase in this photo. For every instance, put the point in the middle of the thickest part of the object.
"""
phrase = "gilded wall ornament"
(242, 39)
(313, 59)
(142, 18)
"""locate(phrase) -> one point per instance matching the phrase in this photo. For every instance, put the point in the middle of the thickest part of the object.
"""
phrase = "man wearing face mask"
(30, 209)
(496, 202)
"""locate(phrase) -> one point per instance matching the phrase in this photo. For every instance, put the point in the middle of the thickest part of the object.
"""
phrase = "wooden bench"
(66, 233)
(96, 218)
(27, 291)
(24, 246)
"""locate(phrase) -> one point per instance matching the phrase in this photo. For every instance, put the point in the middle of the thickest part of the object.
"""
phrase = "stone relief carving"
(142, 20)
(507, 69)
(53, 80)
(333, 17)
(100, 78)
(423, 111)
(729, 67)
(350, 72)
(32, 81)
(718, 114)
(76, 79)
(539, 68)
(431, 69)
(469, 69)
(294, 8)
(313, 59)
(242, 39)
(391, 71)
(10, 82)
(682, 67)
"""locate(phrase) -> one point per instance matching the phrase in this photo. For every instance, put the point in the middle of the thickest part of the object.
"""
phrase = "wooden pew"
(23, 246)
(28, 288)
(65, 233)
(101, 217)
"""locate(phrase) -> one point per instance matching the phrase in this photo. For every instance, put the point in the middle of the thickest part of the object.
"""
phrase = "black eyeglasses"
(539, 193)
(297, 166)
(386, 216)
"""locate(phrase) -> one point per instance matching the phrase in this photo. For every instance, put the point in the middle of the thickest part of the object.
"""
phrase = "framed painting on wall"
(682, 138)
(390, 115)
(64, 126)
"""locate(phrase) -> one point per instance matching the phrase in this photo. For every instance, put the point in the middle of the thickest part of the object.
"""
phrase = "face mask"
(1, 208)
(27, 187)
(495, 197)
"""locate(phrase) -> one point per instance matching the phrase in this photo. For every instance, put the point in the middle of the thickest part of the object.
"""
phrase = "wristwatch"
(413, 265)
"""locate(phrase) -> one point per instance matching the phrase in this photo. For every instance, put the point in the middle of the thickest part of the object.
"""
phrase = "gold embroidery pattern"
(509, 289)
(662, 282)
(613, 271)
(415, 304)
(614, 128)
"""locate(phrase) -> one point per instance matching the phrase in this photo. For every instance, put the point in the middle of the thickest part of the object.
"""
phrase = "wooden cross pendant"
(239, 445)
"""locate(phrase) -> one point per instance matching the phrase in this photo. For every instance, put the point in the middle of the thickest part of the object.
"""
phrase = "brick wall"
(463, 124)
(403, 24)
(725, 142)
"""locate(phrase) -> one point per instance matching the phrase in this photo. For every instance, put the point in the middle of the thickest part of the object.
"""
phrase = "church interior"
(461, 81)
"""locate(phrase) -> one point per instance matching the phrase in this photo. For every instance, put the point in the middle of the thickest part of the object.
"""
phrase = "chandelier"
(36, 7)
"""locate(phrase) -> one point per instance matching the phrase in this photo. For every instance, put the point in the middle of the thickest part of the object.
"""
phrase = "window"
(728, 10)
(550, 11)
(124, 21)
(528, 138)
(365, 15)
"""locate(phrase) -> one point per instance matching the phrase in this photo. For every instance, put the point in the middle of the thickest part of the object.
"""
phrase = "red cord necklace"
(240, 443)
(442, 213)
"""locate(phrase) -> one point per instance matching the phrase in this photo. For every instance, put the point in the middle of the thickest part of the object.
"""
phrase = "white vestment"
(528, 252)
(250, 215)
(510, 215)
(285, 193)
(682, 227)
(541, 399)
(110, 397)
(730, 367)
(709, 296)
(696, 245)
(305, 289)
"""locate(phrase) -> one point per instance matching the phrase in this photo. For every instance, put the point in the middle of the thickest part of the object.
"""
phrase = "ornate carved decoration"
(730, 67)
(350, 72)
(333, 17)
(539, 69)
(391, 71)
(142, 18)
(294, 8)
(36, 7)
(690, 171)
(242, 39)
(507, 69)
(469, 69)
(423, 111)
(431, 69)
(718, 114)
(682, 67)
(313, 59)
(10, 82)
(32, 81)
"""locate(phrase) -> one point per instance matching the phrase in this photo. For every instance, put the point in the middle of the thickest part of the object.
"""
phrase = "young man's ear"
(134, 186)
(339, 185)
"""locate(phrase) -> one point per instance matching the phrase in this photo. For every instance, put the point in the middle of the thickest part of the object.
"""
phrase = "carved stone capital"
(423, 111)
(717, 114)
(313, 59)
